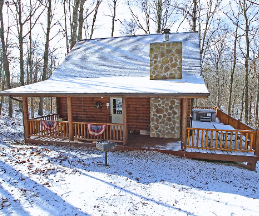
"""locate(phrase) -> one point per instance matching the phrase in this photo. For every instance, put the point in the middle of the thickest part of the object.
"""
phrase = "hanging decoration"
(98, 105)
(96, 130)
(49, 125)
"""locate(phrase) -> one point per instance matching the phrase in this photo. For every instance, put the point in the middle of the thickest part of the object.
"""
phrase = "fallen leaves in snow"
(42, 180)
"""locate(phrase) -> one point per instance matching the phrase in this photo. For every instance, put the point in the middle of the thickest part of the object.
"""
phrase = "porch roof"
(120, 66)
(113, 86)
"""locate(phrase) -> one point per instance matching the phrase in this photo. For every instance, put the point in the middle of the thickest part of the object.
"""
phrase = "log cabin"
(108, 87)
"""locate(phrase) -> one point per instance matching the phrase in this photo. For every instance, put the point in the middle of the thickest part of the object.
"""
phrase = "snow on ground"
(48, 180)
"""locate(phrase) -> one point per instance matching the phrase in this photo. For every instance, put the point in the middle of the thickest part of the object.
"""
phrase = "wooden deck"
(168, 146)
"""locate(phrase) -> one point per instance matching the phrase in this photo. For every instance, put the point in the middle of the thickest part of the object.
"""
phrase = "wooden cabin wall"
(84, 110)
(138, 113)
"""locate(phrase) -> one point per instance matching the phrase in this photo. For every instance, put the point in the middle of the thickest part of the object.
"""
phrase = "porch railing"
(224, 140)
(37, 129)
(112, 132)
(51, 117)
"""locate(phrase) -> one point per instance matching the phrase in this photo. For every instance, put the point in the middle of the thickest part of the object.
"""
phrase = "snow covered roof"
(120, 66)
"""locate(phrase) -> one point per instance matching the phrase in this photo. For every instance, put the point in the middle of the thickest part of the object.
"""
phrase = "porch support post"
(125, 123)
(25, 117)
(257, 143)
(70, 118)
(184, 122)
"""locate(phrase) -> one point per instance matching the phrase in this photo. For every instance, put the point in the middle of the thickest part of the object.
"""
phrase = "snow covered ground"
(47, 180)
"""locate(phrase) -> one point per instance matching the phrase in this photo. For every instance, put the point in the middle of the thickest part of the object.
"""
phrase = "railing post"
(184, 122)
(25, 117)
(125, 123)
(70, 118)
(257, 143)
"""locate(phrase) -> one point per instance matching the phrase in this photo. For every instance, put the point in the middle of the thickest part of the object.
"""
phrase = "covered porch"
(54, 127)
(74, 127)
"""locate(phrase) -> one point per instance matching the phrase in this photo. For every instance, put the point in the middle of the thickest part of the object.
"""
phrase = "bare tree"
(129, 27)
(21, 22)
(5, 57)
(250, 15)
(207, 32)
(235, 19)
(190, 11)
(74, 23)
(216, 53)
(152, 15)
(257, 98)
(65, 28)
(138, 20)
(46, 52)
(98, 2)
(81, 20)
(114, 7)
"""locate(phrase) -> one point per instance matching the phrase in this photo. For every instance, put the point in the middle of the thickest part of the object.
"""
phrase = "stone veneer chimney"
(166, 60)
(165, 63)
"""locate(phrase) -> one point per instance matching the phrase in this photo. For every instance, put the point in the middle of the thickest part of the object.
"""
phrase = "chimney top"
(166, 31)
(166, 34)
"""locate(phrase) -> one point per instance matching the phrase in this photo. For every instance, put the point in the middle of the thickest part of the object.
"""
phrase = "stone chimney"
(166, 60)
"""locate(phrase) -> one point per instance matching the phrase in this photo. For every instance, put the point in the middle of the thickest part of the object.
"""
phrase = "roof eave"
(70, 94)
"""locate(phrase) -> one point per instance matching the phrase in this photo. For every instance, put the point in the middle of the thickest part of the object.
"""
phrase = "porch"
(225, 139)
(202, 141)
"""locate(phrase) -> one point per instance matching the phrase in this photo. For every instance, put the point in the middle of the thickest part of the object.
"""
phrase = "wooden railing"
(224, 140)
(214, 108)
(229, 120)
(37, 129)
(51, 117)
(235, 123)
(113, 132)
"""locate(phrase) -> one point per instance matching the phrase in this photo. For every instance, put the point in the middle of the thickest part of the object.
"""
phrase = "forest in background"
(37, 34)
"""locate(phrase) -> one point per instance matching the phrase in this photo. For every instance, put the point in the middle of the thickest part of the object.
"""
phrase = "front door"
(116, 110)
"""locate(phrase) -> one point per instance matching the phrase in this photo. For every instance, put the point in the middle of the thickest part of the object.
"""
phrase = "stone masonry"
(165, 117)
(166, 60)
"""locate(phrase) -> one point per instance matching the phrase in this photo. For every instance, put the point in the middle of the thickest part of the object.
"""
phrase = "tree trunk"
(5, 58)
(95, 15)
(113, 15)
(233, 70)
(194, 16)
(257, 98)
(40, 111)
(242, 107)
(159, 16)
(218, 84)
(74, 24)
(65, 16)
(81, 20)
(46, 56)
(20, 36)
(246, 61)
(2, 84)
(46, 52)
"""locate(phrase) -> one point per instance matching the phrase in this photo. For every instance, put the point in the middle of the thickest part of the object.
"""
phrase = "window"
(117, 106)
